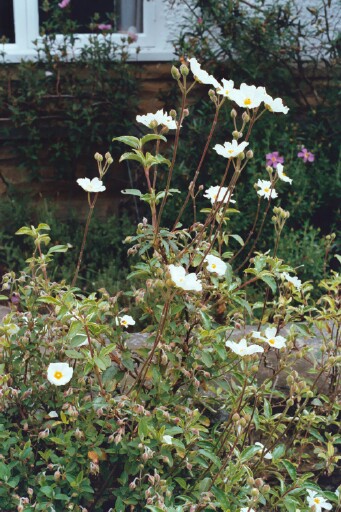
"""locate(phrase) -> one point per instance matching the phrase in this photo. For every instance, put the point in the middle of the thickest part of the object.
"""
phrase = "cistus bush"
(296, 46)
(211, 383)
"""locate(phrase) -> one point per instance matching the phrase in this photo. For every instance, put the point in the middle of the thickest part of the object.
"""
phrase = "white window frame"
(153, 42)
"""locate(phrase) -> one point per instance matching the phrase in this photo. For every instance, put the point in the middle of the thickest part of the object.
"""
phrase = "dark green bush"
(104, 263)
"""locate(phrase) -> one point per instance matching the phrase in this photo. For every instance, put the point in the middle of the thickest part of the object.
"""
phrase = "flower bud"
(259, 482)
(172, 113)
(254, 492)
(175, 73)
(233, 113)
(235, 417)
(98, 157)
(249, 154)
(241, 156)
(184, 70)
(186, 112)
(245, 117)
(235, 134)
(212, 95)
(266, 488)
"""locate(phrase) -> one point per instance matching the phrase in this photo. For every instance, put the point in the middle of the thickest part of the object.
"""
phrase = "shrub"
(296, 48)
(210, 407)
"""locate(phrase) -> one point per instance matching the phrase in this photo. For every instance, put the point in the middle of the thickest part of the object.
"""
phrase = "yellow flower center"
(273, 159)
(272, 341)
(58, 375)
(247, 101)
(215, 196)
(230, 151)
(317, 500)
(266, 190)
(214, 265)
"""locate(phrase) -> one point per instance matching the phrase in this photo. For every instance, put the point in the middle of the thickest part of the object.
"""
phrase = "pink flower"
(104, 26)
(306, 155)
(64, 3)
(272, 159)
(199, 21)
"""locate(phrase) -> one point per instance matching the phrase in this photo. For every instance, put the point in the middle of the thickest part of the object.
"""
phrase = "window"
(21, 22)
(6, 21)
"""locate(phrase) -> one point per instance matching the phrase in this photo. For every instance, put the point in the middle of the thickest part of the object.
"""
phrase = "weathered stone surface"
(3, 312)
(269, 361)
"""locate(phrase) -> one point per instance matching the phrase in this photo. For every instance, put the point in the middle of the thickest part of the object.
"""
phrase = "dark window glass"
(121, 15)
(7, 21)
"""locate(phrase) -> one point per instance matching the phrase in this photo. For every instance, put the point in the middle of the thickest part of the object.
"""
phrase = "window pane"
(121, 15)
(7, 20)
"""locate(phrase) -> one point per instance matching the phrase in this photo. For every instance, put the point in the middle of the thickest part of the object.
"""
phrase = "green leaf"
(151, 136)
(206, 359)
(244, 304)
(278, 452)
(24, 231)
(238, 238)
(290, 469)
(42, 225)
(58, 248)
(3, 297)
(74, 354)
(211, 456)
(133, 156)
(132, 192)
(143, 428)
(221, 497)
(290, 504)
(48, 491)
(248, 453)
(48, 300)
(269, 280)
(129, 140)
(267, 409)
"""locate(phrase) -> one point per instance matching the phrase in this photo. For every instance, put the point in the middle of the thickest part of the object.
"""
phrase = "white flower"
(160, 117)
(265, 189)
(188, 282)
(59, 373)
(268, 455)
(167, 439)
(275, 105)
(281, 174)
(125, 320)
(242, 349)
(270, 337)
(247, 509)
(53, 414)
(94, 185)
(248, 96)
(316, 501)
(215, 264)
(201, 75)
(230, 149)
(218, 194)
(297, 283)
(227, 87)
